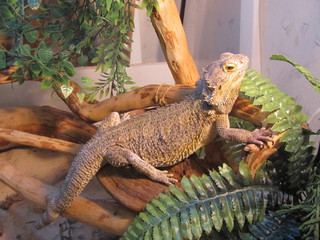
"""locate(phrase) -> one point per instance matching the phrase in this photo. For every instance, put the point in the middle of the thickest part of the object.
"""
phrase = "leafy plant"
(273, 227)
(305, 72)
(48, 39)
(218, 202)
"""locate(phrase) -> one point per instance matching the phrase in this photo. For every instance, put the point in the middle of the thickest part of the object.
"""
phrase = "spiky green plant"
(220, 201)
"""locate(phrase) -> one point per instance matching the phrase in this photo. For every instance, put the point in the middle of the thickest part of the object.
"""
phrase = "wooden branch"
(45, 121)
(167, 24)
(148, 96)
(33, 140)
(257, 156)
(6, 74)
(113, 218)
(10, 200)
(244, 109)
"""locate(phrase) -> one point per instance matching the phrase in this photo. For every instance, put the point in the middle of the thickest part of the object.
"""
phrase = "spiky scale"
(163, 137)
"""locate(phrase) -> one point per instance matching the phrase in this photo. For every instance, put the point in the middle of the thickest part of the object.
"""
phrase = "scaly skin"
(162, 137)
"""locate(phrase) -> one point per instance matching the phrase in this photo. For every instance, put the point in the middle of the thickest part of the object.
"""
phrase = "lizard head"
(221, 80)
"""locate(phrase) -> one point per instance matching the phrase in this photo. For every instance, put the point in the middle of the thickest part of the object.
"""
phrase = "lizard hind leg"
(118, 156)
(80, 173)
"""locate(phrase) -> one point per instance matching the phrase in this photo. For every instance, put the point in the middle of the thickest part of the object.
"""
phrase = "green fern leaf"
(217, 218)
(188, 187)
(226, 203)
(185, 225)
(305, 72)
(274, 226)
(285, 115)
(198, 185)
(206, 221)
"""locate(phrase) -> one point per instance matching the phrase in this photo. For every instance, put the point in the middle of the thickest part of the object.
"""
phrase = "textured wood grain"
(45, 121)
(134, 190)
(167, 24)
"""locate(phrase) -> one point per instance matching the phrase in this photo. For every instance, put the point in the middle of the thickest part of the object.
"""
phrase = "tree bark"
(167, 24)
(33, 140)
(45, 121)
(258, 156)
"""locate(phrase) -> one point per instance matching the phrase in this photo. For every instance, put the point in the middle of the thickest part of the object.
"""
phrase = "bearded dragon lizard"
(162, 137)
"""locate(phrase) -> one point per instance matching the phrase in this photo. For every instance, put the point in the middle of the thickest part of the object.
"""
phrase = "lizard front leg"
(118, 156)
(258, 136)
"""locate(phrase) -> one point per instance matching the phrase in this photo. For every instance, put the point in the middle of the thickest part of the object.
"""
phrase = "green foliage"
(150, 5)
(305, 72)
(288, 169)
(92, 33)
(293, 167)
(273, 227)
(211, 204)
(285, 114)
(311, 206)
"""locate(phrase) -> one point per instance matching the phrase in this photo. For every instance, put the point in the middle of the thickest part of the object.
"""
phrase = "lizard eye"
(230, 67)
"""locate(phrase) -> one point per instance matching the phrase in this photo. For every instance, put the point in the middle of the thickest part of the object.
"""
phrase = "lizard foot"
(164, 177)
(260, 136)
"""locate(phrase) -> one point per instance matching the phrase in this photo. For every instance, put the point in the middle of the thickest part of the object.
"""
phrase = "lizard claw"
(260, 136)
(165, 177)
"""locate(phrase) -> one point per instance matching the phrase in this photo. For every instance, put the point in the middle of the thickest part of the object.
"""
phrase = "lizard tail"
(81, 172)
